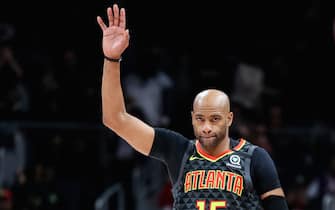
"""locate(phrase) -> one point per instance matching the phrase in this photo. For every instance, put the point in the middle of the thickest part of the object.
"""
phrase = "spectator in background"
(35, 189)
(6, 199)
(14, 96)
(12, 155)
(296, 197)
(165, 199)
(248, 86)
(321, 190)
(149, 87)
(50, 91)
(73, 92)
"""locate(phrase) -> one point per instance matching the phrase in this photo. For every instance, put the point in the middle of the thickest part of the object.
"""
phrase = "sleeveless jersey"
(216, 183)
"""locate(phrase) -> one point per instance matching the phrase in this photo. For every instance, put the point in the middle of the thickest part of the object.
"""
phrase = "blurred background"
(273, 58)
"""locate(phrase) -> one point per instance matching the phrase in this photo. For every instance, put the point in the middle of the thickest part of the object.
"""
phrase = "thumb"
(127, 34)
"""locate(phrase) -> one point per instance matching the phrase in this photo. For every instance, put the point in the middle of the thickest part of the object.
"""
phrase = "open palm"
(115, 36)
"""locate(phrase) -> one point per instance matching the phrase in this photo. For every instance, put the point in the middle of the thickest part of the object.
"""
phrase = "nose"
(207, 129)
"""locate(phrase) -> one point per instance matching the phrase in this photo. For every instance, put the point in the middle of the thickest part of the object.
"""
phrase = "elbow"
(112, 122)
(106, 121)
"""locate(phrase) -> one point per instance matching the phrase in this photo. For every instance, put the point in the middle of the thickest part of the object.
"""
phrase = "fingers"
(101, 23)
(123, 18)
(110, 16)
(116, 15)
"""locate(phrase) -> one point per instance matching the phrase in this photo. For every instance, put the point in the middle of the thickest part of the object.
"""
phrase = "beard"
(209, 142)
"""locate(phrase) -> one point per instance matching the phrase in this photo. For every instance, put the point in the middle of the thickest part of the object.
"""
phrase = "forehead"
(208, 110)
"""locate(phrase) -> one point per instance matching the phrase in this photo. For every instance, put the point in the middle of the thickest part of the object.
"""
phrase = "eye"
(215, 119)
(199, 119)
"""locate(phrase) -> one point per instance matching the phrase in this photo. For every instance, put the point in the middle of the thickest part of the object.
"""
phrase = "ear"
(229, 118)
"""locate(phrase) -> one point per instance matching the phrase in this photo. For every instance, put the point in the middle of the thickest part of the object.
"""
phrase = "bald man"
(210, 172)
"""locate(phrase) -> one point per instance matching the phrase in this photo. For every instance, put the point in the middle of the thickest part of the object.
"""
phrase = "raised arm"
(115, 40)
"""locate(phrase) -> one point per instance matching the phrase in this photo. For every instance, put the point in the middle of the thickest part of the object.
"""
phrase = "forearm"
(138, 134)
(113, 106)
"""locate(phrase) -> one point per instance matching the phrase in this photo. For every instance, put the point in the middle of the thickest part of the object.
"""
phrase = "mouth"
(207, 138)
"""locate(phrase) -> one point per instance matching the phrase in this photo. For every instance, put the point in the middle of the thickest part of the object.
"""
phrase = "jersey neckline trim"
(211, 158)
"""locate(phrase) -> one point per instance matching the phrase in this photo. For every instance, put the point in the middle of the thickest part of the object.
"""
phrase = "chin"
(208, 143)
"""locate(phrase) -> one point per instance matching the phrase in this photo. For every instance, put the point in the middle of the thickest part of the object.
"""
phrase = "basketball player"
(211, 172)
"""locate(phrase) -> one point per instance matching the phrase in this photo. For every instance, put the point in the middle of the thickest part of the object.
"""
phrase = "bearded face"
(210, 128)
(211, 118)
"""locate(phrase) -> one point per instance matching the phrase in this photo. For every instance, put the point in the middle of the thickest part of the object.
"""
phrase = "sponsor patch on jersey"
(234, 161)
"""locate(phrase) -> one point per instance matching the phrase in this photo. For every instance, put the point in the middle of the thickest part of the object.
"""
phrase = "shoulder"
(168, 142)
(165, 137)
(261, 159)
(260, 153)
(243, 145)
(168, 134)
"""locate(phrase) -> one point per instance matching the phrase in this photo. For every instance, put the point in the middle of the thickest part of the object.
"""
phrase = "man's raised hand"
(115, 35)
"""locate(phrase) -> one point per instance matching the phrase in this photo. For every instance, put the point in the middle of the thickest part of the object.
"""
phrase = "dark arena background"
(274, 59)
